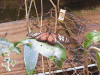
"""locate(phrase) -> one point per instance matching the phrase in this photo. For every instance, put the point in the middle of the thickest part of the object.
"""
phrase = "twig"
(36, 9)
(29, 8)
(58, 4)
(41, 15)
(41, 30)
(26, 8)
(94, 48)
(43, 64)
(27, 18)
(86, 64)
(55, 14)
(49, 67)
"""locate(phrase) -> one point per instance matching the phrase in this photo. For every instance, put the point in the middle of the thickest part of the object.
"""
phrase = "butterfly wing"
(62, 39)
(52, 38)
(34, 34)
(42, 37)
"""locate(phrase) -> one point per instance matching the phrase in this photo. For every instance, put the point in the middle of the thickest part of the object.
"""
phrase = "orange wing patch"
(42, 37)
(52, 38)
(54, 35)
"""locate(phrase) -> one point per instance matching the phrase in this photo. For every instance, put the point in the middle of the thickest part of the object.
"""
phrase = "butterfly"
(51, 38)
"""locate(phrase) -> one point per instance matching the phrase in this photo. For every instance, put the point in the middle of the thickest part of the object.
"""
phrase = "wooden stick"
(36, 10)
(55, 14)
(94, 48)
(58, 4)
(27, 17)
(30, 8)
(43, 64)
(86, 64)
(40, 31)
(26, 8)
(49, 67)
(41, 15)
(86, 59)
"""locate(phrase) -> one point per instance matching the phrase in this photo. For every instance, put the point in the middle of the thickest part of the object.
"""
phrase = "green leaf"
(21, 42)
(98, 60)
(8, 59)
(17, 50)
(7, 68)
(47, 50)
(3, 50)
(3, 54)
(13, 63)
(16, 43)
(3, 39)
(6, 46)
(52, 57)
(91, 37)
(58, 63)
(30, 59)
(5, 42)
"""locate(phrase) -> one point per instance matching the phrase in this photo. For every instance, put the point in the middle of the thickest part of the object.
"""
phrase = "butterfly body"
(48, 37)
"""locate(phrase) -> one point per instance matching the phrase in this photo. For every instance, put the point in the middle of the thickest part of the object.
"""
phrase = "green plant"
(6, 47)
(90, 38)
(32, 48)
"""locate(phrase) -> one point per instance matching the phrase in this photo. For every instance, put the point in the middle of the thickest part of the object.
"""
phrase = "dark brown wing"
(62, 39)
(42, 37)
(34, 34)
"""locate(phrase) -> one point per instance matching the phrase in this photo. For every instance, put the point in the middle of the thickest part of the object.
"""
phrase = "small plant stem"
(86, 64)
(43, 64)
(30, 8)
(27, 17)
(58, 4)
(55, 14)
(41, 15)
(94, 48)
(26, 8)
(40, 31)
(49, 67)
(36, 9)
